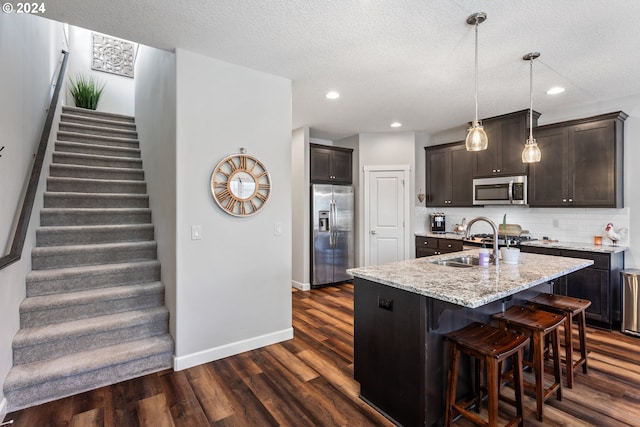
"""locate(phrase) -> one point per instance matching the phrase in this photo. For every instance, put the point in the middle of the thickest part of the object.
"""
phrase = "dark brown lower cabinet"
(428, 246)
(389, 350)
(599, 283)
(400, 357)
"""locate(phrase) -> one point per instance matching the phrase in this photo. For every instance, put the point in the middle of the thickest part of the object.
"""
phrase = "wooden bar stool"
(571, 308)
(537, 324)
(489, 346)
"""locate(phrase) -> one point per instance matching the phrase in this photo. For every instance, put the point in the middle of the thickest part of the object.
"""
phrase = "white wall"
(29, 53)
(300, 210)
(389, 148)
(155, 105)
(574, 224)
(119, 91)
(234, 285)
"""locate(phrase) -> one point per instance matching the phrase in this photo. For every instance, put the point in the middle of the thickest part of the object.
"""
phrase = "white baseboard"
(301, 286)
(3, 409)
(209, 355)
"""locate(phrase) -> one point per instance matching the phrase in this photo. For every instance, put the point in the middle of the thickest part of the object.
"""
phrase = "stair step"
(96, 160)
(49, 309)
(94, 200)
(88, 234)
(97, 114)
(55, 340)
(87, 185)
(54, 257)
(103, 140)
(97, 121)
(94, 216)
(40, 382)
(95, 172)
(94, 313)
(97, 149)
(96, 130)
(73, 279)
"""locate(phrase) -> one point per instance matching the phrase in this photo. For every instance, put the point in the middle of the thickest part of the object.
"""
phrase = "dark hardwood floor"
(308, 381)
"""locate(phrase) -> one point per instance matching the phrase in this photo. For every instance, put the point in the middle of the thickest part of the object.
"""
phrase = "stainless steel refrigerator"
(332, 243)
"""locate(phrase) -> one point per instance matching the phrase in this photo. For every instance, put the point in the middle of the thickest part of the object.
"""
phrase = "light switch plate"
(277, 229)
(196, 232)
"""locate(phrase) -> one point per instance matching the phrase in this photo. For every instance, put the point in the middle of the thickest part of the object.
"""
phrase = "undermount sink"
(460, 262)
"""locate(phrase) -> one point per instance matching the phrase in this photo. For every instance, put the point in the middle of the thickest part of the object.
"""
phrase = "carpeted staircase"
(94, 313)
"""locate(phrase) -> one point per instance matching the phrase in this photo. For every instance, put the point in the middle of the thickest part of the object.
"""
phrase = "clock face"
(240, 185)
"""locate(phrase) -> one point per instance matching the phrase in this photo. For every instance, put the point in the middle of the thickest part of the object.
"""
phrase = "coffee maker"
(437, 223)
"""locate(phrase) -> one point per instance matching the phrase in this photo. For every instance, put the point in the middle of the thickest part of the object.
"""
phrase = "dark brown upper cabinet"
(581, 163)
(449, 170)
(507, 135)
(330, 165)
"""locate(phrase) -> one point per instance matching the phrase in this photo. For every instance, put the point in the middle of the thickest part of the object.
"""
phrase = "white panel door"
(386, 217)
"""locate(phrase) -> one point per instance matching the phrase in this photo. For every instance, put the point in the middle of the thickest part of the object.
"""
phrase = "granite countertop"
(574, 246)
(448, 235)
(470, 287)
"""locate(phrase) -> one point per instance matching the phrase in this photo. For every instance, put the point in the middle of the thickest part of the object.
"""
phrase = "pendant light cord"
(476, 69)
(531, 98)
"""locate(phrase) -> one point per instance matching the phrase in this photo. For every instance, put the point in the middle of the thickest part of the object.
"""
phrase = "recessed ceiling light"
(396, 124)
(332, 95)
(555, 90)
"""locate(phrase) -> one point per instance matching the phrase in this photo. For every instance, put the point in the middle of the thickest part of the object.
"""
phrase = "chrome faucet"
(495, 234)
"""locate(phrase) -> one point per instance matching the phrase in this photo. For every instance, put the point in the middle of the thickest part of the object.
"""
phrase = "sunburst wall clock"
(241, 184)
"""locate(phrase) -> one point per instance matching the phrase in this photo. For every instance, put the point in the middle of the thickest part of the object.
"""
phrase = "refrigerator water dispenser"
(323, 220)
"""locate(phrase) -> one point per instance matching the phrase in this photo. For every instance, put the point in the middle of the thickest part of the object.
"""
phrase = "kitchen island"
(402, 310)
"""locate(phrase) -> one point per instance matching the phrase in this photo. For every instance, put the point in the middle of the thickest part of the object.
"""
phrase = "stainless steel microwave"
(500, 190)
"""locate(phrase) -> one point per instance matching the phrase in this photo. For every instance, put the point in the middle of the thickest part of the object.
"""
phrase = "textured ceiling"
(410, 61)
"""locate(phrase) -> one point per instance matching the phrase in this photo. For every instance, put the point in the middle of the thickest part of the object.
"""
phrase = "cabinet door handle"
(570, 200)
(564, 200)
(498, 170)
(373, 231)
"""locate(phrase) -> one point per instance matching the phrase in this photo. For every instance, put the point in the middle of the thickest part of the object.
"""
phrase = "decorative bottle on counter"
(483, 258)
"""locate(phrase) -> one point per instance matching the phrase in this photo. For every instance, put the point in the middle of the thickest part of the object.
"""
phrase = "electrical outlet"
(385, 304)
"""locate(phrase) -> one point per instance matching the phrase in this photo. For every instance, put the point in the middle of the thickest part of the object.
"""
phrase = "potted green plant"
(86, 92)
(509, 255)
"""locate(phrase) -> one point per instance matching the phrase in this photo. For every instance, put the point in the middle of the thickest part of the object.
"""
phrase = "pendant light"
(531, 152)
(476, 137)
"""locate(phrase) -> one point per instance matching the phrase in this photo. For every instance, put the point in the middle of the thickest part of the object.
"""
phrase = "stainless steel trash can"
(631, 301)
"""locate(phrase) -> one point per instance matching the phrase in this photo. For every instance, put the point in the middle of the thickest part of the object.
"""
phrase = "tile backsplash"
(564, 224)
